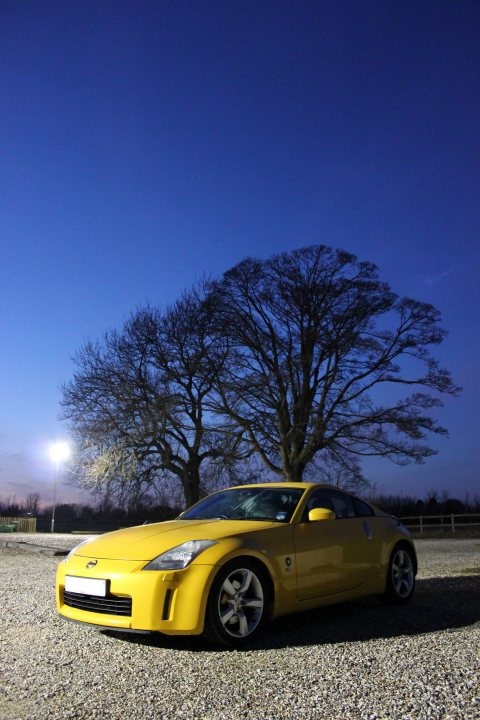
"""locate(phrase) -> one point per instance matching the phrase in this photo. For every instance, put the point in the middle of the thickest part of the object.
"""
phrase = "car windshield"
(274, 504)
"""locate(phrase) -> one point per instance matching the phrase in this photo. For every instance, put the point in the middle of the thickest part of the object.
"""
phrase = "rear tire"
(237, 604)
(401, 576)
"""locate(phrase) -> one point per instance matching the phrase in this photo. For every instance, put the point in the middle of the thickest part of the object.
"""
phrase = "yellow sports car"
(236, 559)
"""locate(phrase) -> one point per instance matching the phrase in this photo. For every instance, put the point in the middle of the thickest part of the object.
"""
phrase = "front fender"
(273, 549)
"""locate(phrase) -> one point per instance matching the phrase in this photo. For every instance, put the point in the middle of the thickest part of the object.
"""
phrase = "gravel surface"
(359, 660)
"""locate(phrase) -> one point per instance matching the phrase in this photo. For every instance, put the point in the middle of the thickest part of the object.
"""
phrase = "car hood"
(145, 542)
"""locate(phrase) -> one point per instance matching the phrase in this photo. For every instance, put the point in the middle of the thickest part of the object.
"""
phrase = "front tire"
(237, 604)
(401, 576)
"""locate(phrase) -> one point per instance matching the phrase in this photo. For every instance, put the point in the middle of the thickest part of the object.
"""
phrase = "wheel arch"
(262, 567)
(213, 629)
(410, 546)
(402, 577)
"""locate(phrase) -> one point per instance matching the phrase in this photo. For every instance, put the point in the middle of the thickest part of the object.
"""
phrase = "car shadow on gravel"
(438, 604)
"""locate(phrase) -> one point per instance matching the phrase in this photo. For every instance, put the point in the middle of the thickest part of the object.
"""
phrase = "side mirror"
(318, 514)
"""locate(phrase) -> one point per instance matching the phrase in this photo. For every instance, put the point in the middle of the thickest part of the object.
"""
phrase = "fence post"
(421, 525)
(452, 520)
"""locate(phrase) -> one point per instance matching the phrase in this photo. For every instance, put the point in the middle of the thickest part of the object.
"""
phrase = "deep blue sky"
(144, 144)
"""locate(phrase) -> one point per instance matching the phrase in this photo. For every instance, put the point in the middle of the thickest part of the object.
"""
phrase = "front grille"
(109, 605)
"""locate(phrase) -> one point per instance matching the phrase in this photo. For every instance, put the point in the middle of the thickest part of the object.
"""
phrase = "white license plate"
(86, 586)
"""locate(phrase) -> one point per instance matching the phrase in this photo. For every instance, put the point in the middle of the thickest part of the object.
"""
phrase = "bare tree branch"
(137, 403)
(315, 339)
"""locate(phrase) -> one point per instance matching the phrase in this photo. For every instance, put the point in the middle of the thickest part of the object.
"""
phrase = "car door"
(335, 555)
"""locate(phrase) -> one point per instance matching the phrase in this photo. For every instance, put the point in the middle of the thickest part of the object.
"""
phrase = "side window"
(342, 505)
(320, 499)
(362, 509)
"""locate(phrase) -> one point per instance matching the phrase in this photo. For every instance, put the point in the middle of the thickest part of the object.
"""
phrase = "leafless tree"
(137, 402)
(345, 473)
(321, 353)
(31, 505)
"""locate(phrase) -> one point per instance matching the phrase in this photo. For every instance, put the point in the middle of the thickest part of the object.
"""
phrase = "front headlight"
(74, 550)
(180, 556)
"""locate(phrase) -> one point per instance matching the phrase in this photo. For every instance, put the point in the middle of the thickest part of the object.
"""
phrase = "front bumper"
(171, 602)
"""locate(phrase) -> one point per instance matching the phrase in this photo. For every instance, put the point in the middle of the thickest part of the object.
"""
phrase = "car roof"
(282, 485)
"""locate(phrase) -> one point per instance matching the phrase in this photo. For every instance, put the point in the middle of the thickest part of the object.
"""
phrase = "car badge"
(91, 564)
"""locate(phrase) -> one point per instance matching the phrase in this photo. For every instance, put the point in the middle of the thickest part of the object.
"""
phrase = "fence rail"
(26, 525)
(452, 524)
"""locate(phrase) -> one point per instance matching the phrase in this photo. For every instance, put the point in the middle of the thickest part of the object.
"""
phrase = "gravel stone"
(357, 661)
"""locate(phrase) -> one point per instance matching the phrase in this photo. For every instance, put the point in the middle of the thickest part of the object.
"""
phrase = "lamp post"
(59, 451)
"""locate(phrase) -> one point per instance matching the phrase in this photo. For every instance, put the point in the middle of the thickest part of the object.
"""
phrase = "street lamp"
(59, 451)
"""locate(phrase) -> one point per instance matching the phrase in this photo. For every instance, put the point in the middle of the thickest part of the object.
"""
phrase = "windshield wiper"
(205, 517)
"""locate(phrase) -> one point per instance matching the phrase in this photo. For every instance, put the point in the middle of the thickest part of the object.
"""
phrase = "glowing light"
(59, 451)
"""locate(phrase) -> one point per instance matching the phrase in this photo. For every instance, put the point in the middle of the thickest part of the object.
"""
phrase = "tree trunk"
(294, 473)
(191, 482)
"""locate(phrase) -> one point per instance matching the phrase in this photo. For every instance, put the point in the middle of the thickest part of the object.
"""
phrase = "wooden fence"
(465, 525)
(25, 525)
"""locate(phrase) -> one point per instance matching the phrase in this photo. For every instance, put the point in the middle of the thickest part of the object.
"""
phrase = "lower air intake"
(109, 605)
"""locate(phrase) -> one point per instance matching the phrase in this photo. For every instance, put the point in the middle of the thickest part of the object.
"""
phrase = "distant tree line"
(434, 503)
(70, 517)
(294, 367)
